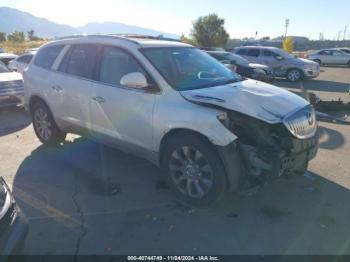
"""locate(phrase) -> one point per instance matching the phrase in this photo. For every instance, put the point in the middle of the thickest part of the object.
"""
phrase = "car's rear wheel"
(349, 64)
(44, 125)
(194, 170)
(294, 75)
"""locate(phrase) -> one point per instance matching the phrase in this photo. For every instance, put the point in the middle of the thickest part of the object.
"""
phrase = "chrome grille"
(302, 124)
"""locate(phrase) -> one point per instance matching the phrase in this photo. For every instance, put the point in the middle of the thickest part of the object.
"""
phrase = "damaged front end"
(272, 150)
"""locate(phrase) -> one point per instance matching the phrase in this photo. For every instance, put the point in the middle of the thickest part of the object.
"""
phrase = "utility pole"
(286, 25)
(345, 29)
(339, 34)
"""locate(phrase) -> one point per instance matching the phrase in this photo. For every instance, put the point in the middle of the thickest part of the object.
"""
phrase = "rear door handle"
(99, 99)
(57, 88)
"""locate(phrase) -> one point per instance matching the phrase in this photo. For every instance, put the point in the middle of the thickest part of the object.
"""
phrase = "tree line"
(19, 37)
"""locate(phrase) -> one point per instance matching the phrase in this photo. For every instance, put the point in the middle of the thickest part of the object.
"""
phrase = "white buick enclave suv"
(209, 129)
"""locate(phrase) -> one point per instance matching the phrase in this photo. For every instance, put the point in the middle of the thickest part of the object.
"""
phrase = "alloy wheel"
(42, 124)
(191, 172)
(294, 75)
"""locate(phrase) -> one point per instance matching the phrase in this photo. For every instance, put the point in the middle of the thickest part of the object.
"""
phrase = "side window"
(241, 52)
(80, 60)
(269, 53)
(115, 64)
(337, 53)
(218, 57)
(253, 52)
(25, 59)
(47, 56)
(325, 52)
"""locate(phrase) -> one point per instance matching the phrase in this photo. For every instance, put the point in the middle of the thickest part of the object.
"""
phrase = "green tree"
(2, 37)
(30, 34)
(16, 37)
(187, 40)
(209, 31)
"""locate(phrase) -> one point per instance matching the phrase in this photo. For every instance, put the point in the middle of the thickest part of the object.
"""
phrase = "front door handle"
(57, 88)
(99, 99)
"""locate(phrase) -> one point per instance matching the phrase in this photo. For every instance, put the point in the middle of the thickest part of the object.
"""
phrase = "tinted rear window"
(25, 59)
(81, 60)
(47, 56)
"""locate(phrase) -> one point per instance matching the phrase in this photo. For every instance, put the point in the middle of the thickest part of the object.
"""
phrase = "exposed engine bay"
(270, 150)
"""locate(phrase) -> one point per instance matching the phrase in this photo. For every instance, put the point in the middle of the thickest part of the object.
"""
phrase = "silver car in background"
(283, 64)
(331, 56)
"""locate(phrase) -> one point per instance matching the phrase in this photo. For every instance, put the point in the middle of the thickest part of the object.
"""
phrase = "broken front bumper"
(245, 161)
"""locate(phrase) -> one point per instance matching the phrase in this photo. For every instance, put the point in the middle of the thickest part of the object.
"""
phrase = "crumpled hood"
(10, 76)
(253, 98)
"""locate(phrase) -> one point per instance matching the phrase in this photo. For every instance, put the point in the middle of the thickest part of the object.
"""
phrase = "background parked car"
(282, 63)
(7, 57)
(243, 66)
(346, 50)
(13, 225)
(332, 56)
(20, 63)
(11, 87)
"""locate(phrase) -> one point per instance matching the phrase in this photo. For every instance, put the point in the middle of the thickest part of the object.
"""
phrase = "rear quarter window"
(47, 56)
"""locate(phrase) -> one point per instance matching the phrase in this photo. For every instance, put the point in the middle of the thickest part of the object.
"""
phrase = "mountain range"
(15, 20)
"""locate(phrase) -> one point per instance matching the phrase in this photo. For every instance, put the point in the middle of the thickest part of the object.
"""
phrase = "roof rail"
(159, 37)
(96, 35)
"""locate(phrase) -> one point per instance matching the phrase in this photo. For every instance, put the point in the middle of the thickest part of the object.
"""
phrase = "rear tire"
(294, 75)
(44, 125)
(349, 64)
(194, 170)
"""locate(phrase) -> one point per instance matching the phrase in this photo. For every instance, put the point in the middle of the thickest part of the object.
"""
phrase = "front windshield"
(187, 68)
(3, 68)
(237, 58)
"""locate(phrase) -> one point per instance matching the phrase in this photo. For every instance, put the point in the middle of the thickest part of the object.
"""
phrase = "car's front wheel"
(194, 170)
(294, 75)
(44, 125)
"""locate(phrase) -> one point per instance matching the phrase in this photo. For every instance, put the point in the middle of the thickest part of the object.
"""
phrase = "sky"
(242, 18)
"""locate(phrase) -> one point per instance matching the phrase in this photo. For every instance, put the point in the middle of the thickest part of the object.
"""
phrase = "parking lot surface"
(84, 198)
(333, 83)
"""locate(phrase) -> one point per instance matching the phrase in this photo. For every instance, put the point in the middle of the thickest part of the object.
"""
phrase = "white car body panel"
(143, 118)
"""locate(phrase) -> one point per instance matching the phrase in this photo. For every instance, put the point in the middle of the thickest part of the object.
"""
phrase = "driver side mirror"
(279, 58)
(134, 80)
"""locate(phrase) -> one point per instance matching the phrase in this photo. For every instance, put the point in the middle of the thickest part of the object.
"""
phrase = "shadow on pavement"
(63, 192)
(330, 139)
(13, 119)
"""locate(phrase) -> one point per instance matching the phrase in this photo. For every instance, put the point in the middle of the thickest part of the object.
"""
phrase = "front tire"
(294, 75)
(194, 170)
(45, 127)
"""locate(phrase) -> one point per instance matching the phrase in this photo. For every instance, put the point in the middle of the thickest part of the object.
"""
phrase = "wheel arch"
(36, 99)
(178, 132)
(230, 160)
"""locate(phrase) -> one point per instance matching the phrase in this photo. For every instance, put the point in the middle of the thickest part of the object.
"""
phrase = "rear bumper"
(11, 97)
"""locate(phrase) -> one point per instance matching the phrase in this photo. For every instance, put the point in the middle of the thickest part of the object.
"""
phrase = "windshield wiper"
(233, 80)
